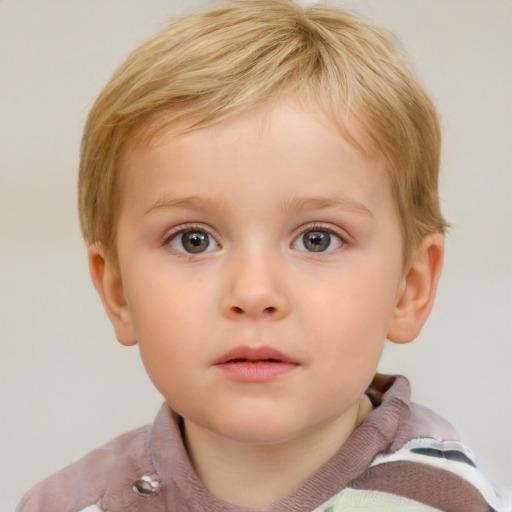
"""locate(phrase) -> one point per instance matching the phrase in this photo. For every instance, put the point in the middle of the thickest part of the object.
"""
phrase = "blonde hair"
(219, 62)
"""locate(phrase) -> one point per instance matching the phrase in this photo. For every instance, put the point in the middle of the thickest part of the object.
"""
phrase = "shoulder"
(419, 421)
(441, 474)
(89, 479)
(424, 460)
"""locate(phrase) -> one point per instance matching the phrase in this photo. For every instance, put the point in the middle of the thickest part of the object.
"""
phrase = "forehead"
(303, 148)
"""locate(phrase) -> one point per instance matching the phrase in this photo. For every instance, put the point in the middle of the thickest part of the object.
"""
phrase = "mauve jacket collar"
(183, 491)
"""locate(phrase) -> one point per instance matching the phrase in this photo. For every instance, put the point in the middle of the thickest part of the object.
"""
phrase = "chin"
(261, 432)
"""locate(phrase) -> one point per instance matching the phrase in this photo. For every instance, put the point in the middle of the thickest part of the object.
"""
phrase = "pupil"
(195, 241)
(316, 241)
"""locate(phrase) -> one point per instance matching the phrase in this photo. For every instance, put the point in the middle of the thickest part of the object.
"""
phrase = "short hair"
(216, 63)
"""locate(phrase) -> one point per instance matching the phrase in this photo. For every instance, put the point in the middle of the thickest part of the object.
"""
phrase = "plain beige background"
(67, 386)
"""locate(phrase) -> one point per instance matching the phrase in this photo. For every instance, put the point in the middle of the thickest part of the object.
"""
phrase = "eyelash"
(322, 227)
(185, 228)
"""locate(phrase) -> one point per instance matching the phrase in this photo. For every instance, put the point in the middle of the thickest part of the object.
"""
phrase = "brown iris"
(316, 241)
(195, 241)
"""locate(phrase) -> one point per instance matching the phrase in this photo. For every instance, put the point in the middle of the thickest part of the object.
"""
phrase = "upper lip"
(255, 354)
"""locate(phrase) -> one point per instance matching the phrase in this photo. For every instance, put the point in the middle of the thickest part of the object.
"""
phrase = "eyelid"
(322, 226)
(319, 226)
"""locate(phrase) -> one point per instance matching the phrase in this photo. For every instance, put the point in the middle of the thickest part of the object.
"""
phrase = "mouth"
(258, 354)
(261, 364)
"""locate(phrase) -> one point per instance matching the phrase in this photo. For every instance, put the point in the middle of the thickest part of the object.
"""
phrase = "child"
(258, 190)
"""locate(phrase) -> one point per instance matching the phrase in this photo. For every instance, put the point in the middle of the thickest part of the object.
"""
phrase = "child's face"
(261, 263)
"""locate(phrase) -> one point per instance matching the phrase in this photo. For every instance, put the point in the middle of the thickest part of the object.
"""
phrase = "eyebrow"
(187, 203)
(298, 203)
(293, 204)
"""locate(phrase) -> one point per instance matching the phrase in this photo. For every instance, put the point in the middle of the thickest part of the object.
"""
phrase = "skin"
(254, 185)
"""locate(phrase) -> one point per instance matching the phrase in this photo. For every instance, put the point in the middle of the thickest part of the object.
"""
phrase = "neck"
(254, 475)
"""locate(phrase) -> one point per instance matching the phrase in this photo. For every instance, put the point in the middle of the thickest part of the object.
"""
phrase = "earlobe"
(418, 290)
(108, 284)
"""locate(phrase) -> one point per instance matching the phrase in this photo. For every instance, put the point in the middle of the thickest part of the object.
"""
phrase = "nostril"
(266, 311)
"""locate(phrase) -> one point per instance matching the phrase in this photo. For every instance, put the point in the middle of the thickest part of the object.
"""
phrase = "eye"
(318, 240)
(193, 241)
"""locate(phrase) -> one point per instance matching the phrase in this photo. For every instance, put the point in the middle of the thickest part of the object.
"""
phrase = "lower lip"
(258, 371)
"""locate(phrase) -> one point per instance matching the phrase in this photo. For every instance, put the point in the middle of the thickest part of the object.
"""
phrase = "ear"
(418, 290)
(108, 284)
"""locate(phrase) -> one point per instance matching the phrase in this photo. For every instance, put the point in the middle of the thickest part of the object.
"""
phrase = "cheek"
(168, 332)
(359, 300)
(348, 321)
(168, 317)
(160, 300)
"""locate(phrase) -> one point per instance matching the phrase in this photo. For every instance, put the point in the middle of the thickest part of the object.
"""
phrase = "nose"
(255, 289)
